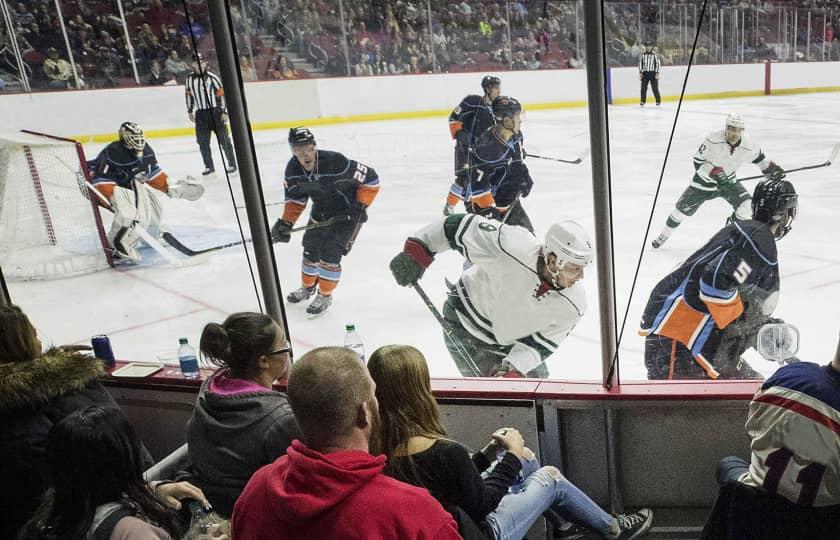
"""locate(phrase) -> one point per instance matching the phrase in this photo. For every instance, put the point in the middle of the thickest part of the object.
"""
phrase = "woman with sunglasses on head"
(498, 506)
(240, 423)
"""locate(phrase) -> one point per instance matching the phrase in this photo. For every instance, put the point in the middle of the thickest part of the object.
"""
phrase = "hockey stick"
(575, 161)
(826, 163)
(175, 243)
(447, 329)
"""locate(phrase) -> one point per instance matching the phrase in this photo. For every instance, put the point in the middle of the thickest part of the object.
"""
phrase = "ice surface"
(147, 308)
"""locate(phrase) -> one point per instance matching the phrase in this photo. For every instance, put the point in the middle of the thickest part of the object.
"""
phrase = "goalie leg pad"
(186, 188)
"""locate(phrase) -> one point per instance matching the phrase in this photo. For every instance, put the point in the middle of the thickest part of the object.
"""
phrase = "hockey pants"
(735, 194)
(666, 358)
(144, 209)
(207, 120)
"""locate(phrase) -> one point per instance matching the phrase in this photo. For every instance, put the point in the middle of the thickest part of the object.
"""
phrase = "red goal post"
(50, 224)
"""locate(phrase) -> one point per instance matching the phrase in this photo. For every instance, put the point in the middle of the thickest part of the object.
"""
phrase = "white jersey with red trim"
(794, 424)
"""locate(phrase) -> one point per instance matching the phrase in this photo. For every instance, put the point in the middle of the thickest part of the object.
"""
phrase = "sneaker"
(571, 531)
(301, 294)
(658, 241)
(208, 170)
(634, 525)
(230, 169)
(319, 305)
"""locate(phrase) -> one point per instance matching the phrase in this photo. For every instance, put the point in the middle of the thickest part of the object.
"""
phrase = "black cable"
(207, 96)
(614, 362)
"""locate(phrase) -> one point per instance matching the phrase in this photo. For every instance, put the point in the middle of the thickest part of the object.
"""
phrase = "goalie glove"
(281, 231)
(187, 188)
(410, 264)
(773, 171)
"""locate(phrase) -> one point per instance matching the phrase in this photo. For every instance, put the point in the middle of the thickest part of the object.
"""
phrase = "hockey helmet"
(506, 107)
(569, 243)
(132, 137)
(735, 120)
(775, 201)
(300, 136)
(489, 81)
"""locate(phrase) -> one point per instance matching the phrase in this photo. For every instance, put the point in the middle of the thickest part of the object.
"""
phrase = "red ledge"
(170, 378)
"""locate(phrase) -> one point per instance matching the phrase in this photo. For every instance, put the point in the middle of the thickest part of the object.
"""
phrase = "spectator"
(328, 485)
(420, 452)
(155, 76)
(175, 66)
(249, 74)
(96, 484)
(519, 61)
(36, 390)
(240, 423)
(58, 70)
(283, 69)
(535, 62)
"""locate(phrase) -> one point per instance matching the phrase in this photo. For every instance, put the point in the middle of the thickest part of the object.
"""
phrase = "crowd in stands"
(383, 37)
(346, 440)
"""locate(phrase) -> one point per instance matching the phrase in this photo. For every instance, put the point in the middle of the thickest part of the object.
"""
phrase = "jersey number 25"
(361, 172)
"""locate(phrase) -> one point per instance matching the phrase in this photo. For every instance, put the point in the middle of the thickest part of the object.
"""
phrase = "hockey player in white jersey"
(716, 163)
(520, 298)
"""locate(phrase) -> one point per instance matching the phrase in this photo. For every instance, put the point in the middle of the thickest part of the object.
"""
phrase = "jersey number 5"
(361, 172)
(809, 476)
(742, 272)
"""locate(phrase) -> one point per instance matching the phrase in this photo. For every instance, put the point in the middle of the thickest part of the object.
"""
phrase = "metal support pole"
(825, 23)
(344, 46)
(10, 25)
(510, 45)
(67, 42)
(431, 36)
(244, 13)
(128, 44)
(5, 297)
(795, 31)
(595, 82)
(246, 159)
(577, 30)
(808, 39)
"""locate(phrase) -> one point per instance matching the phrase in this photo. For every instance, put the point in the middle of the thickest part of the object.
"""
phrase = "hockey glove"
(491, 212)
(410, 264)
(463, 139)
(718, 175)
(525, 185)
(357, 212)
(773, 172)
(281, 231)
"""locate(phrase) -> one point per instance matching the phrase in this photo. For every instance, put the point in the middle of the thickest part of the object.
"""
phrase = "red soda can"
(102, 349)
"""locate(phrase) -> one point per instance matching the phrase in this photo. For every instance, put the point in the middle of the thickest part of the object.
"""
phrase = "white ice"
(146, 309)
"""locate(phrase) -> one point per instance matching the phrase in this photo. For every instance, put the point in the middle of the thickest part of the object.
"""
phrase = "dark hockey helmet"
(775, 201)
(505, 107)
(301, 135)
(488, 82)
(132, 137)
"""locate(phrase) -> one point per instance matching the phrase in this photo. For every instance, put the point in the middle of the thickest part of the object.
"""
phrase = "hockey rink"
(146, 308)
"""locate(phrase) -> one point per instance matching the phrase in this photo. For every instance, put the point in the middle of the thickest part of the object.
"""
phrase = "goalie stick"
(827, 163)
(177, 244)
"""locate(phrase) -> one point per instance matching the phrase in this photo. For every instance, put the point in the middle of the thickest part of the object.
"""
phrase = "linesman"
(649, 65)
(206, 107)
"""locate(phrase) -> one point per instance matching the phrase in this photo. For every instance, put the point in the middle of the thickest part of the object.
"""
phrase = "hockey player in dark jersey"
(472, 117)
(126, 173)
(702, 316)
(498, 174)
(341, 190)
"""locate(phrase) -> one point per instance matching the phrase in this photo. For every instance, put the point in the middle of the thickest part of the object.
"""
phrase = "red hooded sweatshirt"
(343, 495)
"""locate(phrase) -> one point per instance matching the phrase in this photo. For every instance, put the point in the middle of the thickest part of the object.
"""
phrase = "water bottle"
(187, 359)
(353, 342)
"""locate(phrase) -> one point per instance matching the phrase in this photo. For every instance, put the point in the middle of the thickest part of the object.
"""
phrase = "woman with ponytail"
(240, 423)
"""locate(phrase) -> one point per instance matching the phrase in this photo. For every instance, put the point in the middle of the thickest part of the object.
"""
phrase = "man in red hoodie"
(328, 486)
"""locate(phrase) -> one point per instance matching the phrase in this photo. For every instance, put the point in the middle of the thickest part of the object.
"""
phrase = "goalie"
(126, 173)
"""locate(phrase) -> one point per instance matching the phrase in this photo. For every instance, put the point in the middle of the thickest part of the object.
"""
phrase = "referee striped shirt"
(204, 92)
(649, 61)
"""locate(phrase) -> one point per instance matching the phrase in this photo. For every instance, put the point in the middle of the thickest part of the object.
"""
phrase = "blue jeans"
(730, 468)
(539, 492)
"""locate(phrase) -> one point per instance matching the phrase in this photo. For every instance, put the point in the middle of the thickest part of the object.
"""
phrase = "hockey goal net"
(49, 225)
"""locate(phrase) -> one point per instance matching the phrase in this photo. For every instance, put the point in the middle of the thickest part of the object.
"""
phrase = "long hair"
(406, 406)
(18, 338)
(238, 342)
(93, 457)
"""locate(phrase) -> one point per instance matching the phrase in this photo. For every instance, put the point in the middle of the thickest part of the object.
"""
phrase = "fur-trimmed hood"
(56, 372)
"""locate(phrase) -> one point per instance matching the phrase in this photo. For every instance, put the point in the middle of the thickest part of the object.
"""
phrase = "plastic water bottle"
(353, 342)
(187, 359)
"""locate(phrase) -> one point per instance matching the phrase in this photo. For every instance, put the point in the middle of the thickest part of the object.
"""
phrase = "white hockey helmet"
(569, 242)
(132, 137)
(735, 120)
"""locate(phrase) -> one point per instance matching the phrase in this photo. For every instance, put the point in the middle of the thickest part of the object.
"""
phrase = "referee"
(649, 65)
(206, 107)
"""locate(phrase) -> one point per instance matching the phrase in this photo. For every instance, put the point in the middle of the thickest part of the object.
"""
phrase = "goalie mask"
(567, 250)
(775, 202)
(132, 137)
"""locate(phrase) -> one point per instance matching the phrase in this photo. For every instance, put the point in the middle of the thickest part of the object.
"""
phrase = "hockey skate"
(658, 241)
(319, 305)
(301, 294)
